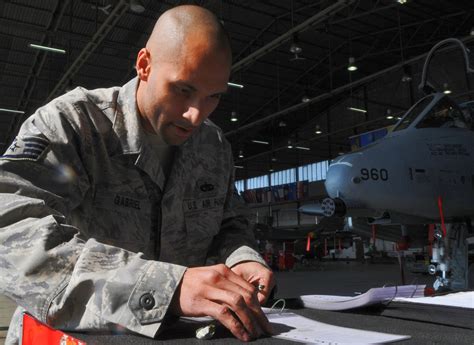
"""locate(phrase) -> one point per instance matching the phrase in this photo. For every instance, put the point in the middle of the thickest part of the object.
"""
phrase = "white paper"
(291, 326)
(372, 296)
(463, 299)
(297, 328)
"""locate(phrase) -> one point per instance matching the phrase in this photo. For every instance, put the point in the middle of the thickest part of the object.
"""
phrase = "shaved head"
(179, 29)
(182, 71)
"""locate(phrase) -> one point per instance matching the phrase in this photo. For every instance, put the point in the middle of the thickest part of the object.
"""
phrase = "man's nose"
(194, 115)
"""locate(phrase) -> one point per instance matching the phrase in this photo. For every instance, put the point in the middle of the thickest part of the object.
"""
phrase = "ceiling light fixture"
(238, 86)
(282, 124)
(261, 142)
(296, 48)
(305, 99)
(389, 115)
(290, 144)
(359, 110)
(137, 6)
(472, 31)
(317, 130)
(274, 159)
(48, 49)
(446, 89)
(351, 67)
(406, 78)
(105, 8)
(239, 166)
(303, 148)
(11, 111)
(233, 116)
(241, 154)
(402, 2)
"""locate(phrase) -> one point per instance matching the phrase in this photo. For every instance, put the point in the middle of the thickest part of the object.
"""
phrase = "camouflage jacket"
(81, 191)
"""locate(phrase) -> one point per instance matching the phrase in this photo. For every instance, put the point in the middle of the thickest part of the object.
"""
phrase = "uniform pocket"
(203, 216)
(120, 220)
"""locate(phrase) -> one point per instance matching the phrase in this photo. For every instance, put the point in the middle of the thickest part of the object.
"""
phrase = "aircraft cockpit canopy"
(413, 113)
(467, 109)
(443, 114)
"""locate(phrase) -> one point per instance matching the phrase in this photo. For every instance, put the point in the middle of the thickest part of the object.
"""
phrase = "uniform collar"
(128, 127)
(127, 124)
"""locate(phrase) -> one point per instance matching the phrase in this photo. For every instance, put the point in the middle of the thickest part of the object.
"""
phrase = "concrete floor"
(345, 279)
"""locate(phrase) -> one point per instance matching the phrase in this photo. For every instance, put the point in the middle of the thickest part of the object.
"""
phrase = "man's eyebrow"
(185, 84)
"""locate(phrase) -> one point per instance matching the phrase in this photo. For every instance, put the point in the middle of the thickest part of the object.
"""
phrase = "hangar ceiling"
(284, 52)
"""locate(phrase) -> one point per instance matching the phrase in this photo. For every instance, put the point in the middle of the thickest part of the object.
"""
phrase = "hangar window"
(283, 177)
(239, 185)
(257, 182)
(313, 172)
(310, 172)
(444, 114)
(413, 113)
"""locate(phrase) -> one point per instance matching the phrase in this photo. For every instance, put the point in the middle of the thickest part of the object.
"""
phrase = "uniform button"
(147, 301)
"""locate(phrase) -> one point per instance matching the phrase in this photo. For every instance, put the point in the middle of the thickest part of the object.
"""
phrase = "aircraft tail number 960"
(374, 174)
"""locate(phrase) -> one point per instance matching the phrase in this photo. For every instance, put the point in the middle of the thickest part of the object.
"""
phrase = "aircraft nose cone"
(339, 176)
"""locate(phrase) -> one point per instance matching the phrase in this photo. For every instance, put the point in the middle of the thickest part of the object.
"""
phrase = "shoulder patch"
(28, 148)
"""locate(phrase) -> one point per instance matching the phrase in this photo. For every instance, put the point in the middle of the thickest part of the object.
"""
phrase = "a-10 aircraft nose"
(339, 176)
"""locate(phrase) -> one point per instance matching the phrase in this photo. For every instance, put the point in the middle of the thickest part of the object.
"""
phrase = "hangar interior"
(312, 80)
(291, 57)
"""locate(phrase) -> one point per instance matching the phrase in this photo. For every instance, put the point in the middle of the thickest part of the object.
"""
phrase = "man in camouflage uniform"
(113, 200)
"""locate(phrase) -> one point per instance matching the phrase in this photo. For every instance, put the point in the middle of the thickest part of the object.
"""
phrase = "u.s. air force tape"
(26, 148)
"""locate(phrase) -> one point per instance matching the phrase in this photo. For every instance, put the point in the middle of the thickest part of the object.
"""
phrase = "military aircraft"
(420, 173)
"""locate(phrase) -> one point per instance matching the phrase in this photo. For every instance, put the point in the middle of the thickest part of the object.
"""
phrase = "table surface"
(367, 319)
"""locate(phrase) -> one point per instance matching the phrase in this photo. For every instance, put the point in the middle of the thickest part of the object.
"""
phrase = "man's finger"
(237, 303)
(235, 278)
(252, 302)
(224, 315)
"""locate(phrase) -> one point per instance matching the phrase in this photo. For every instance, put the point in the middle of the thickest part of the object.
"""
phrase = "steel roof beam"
(60, 34)
(40, 57)
(266, 28)
(38, 63)
(334, 92)
(119, 9)
(340, 46)
(316, 19)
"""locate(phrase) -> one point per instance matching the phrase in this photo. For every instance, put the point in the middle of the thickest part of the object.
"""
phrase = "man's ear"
(143, 64)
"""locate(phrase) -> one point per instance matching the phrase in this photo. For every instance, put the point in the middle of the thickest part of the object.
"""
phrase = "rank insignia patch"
(27, 148)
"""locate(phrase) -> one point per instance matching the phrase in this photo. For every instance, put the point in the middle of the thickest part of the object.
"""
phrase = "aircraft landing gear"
(450, 258)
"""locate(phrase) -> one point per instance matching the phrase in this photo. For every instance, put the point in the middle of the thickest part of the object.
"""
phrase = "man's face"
(179, 95)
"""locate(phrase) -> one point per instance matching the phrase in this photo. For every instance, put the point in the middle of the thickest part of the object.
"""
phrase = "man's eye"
(217, 96)
(182, 90)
